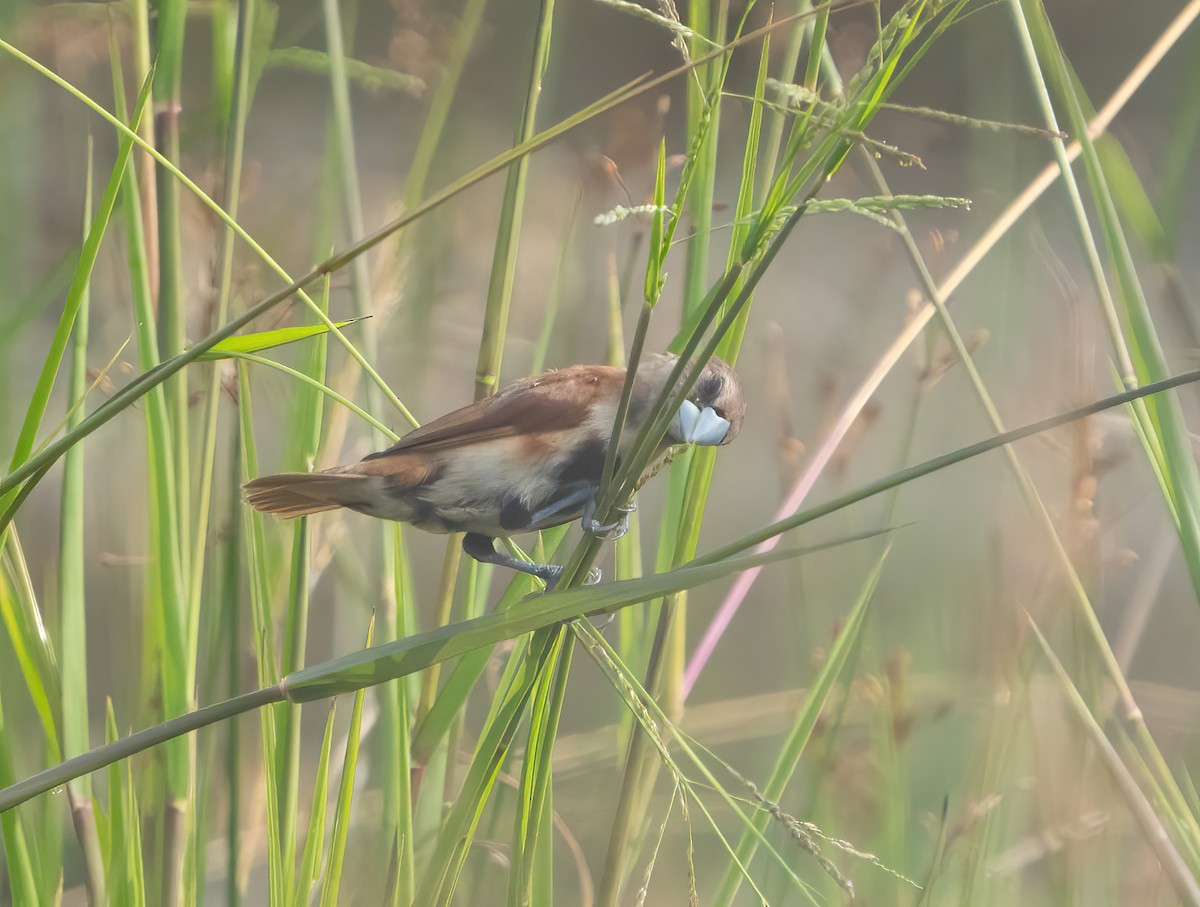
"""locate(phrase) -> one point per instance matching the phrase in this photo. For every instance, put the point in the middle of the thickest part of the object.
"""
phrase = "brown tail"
(297, 494)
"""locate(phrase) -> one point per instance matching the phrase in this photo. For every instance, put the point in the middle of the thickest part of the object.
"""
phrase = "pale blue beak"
(693, 425)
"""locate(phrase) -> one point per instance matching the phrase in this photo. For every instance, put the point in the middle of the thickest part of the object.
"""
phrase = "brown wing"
(554, 401)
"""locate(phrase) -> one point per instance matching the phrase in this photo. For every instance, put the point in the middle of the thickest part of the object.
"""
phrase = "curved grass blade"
(416, 653)
(938, 463)
(265, 340)
(403, 657)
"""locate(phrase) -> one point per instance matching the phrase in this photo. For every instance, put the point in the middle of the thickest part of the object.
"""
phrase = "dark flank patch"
(515, 515)
(584, 465)
(424, 514)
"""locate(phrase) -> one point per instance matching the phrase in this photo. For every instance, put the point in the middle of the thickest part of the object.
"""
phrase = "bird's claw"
(609, 532)
(554, 574)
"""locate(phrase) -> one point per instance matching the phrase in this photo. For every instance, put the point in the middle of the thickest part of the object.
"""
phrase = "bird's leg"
(612, 531)
(482, 548)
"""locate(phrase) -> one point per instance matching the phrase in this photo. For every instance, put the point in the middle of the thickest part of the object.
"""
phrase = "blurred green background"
(947, 709)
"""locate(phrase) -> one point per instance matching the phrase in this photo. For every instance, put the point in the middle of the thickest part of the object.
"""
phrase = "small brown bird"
(529, 457)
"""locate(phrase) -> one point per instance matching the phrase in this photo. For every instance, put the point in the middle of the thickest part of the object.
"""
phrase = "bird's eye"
(710, 387)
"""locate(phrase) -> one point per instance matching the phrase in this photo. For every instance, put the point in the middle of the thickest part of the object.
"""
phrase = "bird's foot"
(482, 548)
(609, 532)
(553, 573)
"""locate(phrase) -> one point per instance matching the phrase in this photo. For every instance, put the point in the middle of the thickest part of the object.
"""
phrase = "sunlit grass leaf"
(1130, 196)
(657, 250)
(265, 340)
(32, 647)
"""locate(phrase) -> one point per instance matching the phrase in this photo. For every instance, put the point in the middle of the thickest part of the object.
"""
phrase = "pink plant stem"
(800, 491)
(1017, 207)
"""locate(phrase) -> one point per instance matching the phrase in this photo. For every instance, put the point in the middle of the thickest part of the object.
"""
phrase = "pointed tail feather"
(291, 495)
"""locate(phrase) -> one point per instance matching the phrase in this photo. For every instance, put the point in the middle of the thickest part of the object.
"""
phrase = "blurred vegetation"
(246, 237)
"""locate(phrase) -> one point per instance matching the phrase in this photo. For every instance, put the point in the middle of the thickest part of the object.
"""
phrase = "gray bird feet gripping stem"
(482, 548)
(612, 531)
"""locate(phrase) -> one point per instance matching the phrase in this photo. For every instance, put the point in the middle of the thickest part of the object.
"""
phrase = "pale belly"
(490, 490)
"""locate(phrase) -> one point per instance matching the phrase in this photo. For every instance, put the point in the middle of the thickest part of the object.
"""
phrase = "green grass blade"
(435, 725)
(52, 364)
(319, 388)
(395, 700)
(314, 838)
(703, 116)
(154, 377)
(658, 728)
(1179, 164)
(341, 815)
(265, 340)
(788, 757)
(346, 156)
(31, 643)
(657, 246)
(508, 236)
(1163, 421)
(533, 833)
(237, 28)
(910, 473)
(126, 875)
(1182, 879)
(415, 653)
(407, 656)
(458, 830)
(260, 570)
(164, 681)
(22, 882)
(72, 610)
(287, 728)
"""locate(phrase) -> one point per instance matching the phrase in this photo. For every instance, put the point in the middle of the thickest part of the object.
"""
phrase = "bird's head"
(711, 414)
(713, 411)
